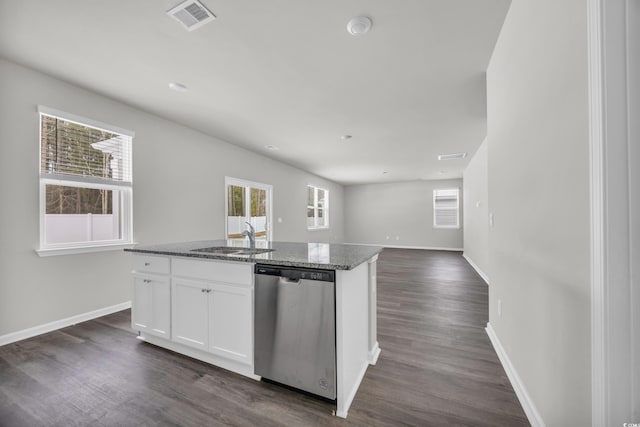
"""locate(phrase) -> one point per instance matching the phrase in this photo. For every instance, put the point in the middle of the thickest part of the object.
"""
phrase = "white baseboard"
(374, 353)
(429, 248)
(62, 323)
(523, 396)
(343, 410)
(476, 268)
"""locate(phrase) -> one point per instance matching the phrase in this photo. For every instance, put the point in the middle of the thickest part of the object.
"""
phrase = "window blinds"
(79, 152)
(445, 208)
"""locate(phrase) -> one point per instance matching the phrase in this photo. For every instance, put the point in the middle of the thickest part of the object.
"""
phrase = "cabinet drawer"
(225, 272)
(150, 264)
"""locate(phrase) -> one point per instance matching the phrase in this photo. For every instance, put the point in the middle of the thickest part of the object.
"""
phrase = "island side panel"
(374, 348)
(352, 333)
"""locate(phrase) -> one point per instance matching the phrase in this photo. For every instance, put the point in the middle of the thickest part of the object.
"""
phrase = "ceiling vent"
(452, 156)
(191, 14)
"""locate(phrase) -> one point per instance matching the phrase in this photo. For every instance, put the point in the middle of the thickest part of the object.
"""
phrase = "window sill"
(317, 228)
(446, 228)
(72, 250)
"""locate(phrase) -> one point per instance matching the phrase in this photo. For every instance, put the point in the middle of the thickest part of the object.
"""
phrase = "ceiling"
(285, 73)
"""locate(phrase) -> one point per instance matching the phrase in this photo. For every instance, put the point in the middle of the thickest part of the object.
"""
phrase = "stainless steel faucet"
(251, 234)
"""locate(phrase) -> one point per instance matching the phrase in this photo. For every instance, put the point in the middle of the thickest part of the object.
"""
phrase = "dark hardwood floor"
(437, 367)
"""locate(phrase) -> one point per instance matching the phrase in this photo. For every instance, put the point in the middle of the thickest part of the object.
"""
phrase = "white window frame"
(247, 209)
(124, 187)
(315, 208)
(436, 209)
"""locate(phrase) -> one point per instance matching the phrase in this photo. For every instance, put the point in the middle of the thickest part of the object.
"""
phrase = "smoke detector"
(359, 25)
(191, 14)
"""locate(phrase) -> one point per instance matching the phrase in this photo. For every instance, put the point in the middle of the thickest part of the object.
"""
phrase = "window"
(446, 208)
(317, 208)
(248, 202)
(85, 184)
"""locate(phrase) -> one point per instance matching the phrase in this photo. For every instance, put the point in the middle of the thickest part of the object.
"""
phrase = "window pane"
(445, 208)
(69, 148)
(235, 200)
(310, 196)
(259, 211)
(322, 219)
(258, 202)
(78, 214)
(321, 197)
(310, 217)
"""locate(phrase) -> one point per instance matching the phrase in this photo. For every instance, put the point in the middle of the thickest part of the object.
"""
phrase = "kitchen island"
(197, 298)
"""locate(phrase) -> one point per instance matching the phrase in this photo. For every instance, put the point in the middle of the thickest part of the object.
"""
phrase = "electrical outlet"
(499, 308)
(387, 237)
(397, 237)
(491, 219)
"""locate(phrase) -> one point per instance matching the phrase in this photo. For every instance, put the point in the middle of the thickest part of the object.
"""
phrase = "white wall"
(403, 211)
(476, 210)
(538, 191)
(178, 195)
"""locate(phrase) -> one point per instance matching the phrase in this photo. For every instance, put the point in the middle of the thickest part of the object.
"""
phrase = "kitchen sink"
(228, 250)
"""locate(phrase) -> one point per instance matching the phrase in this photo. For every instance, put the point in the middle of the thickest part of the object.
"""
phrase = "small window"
(446, 208)
(317, 208)
(85, 184)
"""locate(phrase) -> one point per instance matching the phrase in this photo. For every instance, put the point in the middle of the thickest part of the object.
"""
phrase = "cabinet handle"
(146, 281)
(208, 290)
(205, 290)
(147, 264)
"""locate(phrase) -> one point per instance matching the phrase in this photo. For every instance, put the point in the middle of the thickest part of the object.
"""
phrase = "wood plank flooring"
(437, 367)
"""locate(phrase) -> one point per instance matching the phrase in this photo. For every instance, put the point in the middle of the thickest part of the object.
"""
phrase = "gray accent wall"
(538, 163)
(476, 210)
(178, 195)
(398, 214)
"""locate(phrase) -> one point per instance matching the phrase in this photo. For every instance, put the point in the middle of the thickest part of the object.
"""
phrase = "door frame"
(245, 183)
(613, 46)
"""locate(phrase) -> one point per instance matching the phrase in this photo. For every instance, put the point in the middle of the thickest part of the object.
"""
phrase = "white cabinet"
(191, 313)
(151, 304)
(197, 307)
(213, 307)
(230, 322)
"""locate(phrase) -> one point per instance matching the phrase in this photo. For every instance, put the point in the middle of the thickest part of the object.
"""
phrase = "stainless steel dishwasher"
(295, 328)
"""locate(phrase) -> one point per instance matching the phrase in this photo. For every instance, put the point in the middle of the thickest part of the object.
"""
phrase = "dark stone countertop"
(328, 256)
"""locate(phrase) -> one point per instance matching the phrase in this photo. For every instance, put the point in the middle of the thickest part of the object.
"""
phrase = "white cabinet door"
(190, 316)
(151, 308)
(230, 323)
(141, 306)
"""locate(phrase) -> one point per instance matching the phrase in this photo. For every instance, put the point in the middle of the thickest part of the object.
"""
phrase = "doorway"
(247, 202)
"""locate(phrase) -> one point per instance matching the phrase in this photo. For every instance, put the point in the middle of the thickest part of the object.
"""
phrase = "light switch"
(491, 219)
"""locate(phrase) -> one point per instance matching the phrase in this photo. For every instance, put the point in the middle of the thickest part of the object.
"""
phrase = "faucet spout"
(251, 234)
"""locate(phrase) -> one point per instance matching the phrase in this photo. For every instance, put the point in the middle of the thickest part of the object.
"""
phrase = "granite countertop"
(328, 256)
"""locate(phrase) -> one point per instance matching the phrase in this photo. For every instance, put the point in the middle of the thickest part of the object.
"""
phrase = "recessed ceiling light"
(271, 147)
(452, 156)
(359, 25)
(346, 137)
(178, 87)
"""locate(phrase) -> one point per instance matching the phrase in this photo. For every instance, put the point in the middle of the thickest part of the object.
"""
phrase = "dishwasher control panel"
(296, 274)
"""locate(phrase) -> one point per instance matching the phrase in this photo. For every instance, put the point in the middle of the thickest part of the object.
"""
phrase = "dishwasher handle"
(289, 281)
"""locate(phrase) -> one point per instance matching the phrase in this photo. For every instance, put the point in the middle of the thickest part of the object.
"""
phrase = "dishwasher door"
(294, 328)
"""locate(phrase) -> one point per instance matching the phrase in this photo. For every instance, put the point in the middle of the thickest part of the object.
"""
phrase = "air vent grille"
(452, 156)
(191, 14)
